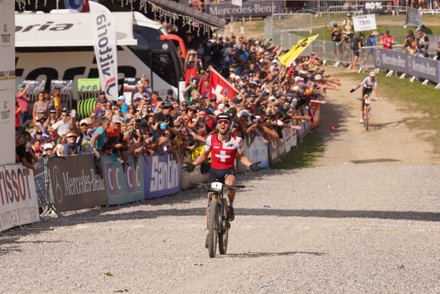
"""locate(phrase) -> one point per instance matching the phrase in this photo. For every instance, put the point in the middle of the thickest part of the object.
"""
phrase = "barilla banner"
(258, 151)
(104, 32)
(124, 184)
(18, 198)
(75, 183)
(161, 176)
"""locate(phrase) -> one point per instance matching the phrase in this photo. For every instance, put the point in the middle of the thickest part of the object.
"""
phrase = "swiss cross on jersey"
(223, 154)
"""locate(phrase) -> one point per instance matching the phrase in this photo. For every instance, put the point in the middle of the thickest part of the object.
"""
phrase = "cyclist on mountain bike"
(368, 84)
(224, 148)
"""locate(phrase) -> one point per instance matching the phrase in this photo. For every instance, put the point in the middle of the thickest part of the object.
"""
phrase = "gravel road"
(366, 219)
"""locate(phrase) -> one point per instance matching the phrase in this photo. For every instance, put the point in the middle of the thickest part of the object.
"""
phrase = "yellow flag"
(296, 50)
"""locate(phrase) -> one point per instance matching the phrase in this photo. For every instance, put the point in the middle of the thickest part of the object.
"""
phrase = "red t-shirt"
(387, 42)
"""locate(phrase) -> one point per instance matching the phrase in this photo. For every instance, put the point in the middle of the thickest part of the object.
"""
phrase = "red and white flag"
(219, 86)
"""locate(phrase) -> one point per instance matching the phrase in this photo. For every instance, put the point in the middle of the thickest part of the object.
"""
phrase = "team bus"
(59, 46)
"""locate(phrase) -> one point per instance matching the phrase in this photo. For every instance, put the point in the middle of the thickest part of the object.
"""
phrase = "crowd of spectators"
(269, 97)
(345, 41)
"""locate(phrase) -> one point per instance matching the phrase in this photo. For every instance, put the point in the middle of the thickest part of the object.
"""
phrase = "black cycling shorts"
(219, 175)
(366, 91)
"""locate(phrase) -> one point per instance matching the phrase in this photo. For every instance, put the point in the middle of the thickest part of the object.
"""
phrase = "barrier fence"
(398, 62)
(69, 183)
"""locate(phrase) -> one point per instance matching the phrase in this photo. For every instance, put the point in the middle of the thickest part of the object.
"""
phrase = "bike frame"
(367, 108)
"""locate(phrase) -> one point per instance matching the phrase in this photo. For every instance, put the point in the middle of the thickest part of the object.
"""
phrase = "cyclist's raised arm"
(244, 160)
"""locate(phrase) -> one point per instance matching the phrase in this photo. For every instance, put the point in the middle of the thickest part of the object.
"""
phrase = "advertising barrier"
(75, 183)
(258, 151)
(123, 185)
(18, 198)
(249, 8)
(42, 182)
(161, 176)
(420, 67)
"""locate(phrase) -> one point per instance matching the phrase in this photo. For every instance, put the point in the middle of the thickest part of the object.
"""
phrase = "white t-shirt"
(61, 127)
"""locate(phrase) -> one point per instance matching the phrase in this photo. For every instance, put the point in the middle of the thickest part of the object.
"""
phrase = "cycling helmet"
(221, 116)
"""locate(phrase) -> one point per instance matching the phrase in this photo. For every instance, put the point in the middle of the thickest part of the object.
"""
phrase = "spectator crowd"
(270, 97)
(346, 41)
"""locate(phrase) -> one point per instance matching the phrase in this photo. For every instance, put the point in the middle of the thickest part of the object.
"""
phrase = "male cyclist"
(224, 148)
(367, 84)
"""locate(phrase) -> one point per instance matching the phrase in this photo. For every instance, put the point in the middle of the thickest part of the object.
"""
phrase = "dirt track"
(365, 220)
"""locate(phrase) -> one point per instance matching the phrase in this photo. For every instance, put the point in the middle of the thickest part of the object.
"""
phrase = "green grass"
(304, 154)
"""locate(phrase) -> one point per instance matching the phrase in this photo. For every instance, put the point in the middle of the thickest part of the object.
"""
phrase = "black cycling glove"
(254, 166)
(189, 167)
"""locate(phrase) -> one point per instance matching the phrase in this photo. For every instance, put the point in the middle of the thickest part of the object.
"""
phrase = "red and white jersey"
(223, 154)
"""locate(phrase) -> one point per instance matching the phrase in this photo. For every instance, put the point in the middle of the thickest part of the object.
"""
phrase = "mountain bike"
(366, 112)
(217, 221)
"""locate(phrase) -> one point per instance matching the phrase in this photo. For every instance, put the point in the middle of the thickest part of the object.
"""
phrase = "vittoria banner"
(104, 31)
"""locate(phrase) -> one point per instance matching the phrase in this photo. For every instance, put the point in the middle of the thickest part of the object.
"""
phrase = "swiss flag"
(219, 86)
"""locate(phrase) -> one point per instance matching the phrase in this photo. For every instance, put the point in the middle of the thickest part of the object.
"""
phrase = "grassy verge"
(304, 154)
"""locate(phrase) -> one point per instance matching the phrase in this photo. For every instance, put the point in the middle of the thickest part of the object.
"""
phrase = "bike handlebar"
(208, 185)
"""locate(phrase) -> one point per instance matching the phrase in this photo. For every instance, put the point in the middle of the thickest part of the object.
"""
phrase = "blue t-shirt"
(99, 143)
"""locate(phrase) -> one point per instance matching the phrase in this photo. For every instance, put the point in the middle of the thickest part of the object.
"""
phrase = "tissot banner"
(18, 198)
(124, 184)
(7, 81)
(75, 183)
(161, 176)
(248, 8)
(104, 31)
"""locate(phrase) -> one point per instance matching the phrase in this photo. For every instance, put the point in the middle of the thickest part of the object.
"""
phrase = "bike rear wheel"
(213, 227)
(223, 229)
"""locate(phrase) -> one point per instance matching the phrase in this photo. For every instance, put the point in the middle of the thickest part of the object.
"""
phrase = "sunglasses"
(223, 122)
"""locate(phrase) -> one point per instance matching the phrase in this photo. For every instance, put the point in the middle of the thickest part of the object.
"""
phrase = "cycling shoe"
(231, 214)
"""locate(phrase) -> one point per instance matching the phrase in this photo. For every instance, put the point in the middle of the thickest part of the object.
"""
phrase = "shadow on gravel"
(270, 254)
(374, 160)
(328, 213)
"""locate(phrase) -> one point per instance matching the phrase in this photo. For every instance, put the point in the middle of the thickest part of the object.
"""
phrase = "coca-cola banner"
(420, 67)
(249, 8)
(75, 183)
(162, 175)
(124, 183)
(18, 198)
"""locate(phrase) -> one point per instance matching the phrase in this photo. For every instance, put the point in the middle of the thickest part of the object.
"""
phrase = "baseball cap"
(372, 74)
(21, 85)
(47, 146)
(84, 121)
(122, 97)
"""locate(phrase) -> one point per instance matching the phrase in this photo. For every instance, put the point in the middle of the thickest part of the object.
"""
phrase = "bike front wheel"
(213, 227)
(223, 229)
(367, 119)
